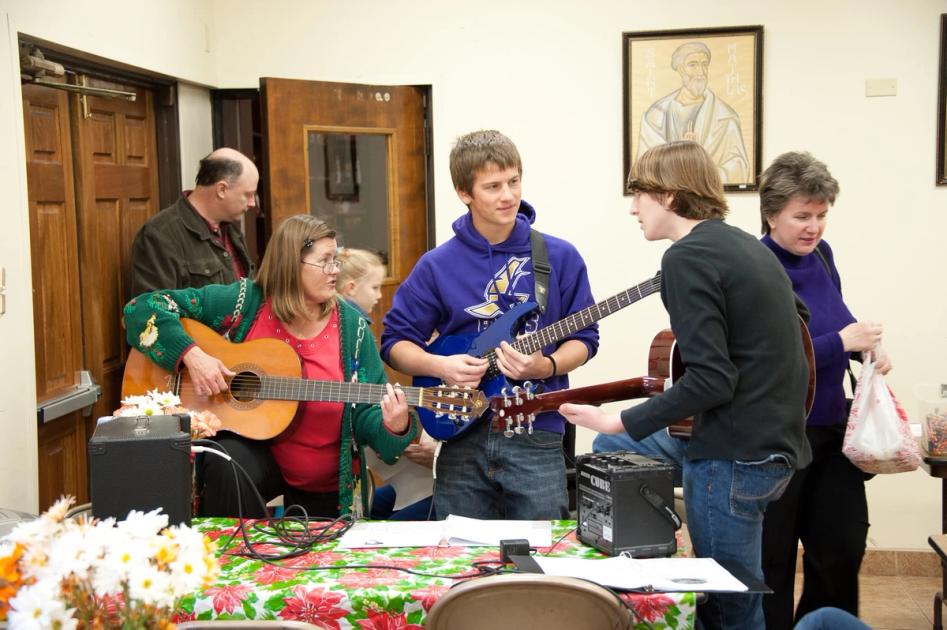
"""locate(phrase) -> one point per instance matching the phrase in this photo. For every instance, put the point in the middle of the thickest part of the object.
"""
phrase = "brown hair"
(790, 175)
(280, 273)
(356, 263)
(472, 152)
(685, 171)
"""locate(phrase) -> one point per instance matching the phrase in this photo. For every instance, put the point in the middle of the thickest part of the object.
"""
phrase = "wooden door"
(357, 156)
(91, 169)
(57, 319)
(117, 191)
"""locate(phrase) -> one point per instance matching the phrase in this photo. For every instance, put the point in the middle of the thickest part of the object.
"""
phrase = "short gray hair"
(794, 174)
(688, 48)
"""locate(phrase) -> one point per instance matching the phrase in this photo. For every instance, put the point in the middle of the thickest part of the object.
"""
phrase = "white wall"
(548, 74)
(194, 115)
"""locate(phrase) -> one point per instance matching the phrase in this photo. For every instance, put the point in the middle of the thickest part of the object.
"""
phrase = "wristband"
(555, 368)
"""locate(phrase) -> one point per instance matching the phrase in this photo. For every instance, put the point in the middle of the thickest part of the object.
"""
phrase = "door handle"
(83, 396)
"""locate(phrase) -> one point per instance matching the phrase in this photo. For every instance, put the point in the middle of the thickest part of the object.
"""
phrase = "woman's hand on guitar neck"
(394, 410)
(208, 374)
(592, 417)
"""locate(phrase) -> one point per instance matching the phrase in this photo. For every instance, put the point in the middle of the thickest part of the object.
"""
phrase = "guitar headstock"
(454, 402)
(520, 400)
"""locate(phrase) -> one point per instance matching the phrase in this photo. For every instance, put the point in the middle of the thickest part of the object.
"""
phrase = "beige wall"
(549, 75)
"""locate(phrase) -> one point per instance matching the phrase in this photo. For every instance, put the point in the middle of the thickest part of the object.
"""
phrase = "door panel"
(116, 166)
(311, 128)
(57, 317)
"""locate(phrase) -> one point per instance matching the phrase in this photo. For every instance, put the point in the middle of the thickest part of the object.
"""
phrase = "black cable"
(559, 540)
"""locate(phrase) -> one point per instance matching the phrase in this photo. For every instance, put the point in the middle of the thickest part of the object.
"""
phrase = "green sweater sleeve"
(153, 320)
(367, 419)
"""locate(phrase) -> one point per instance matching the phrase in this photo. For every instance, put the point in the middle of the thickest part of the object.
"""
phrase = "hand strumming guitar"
(461, 369)
(208, 374)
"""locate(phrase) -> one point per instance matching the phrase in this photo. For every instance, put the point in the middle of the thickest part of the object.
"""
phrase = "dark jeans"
(483, 474)
(219, 492)
(824, 507)
(383, 507)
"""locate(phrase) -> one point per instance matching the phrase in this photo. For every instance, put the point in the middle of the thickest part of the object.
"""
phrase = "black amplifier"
(626, 504)
(142, 463)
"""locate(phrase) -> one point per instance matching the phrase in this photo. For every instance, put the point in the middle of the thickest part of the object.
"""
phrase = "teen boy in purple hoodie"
(460, 288)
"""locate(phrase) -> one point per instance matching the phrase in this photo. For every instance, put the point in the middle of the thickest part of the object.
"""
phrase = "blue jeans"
(658, 445)
(482, 474)
(828, 618)
(725, 502)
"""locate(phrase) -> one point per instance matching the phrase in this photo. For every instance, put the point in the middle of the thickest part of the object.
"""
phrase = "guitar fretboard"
(286, 388)
(580, 319)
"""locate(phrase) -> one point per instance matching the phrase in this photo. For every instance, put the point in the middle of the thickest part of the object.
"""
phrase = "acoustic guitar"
(664, 367)
(664, 362)
(523, 405)
(484, 345)
(265, 392)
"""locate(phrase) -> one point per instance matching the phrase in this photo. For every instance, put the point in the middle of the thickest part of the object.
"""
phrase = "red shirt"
(308, 451)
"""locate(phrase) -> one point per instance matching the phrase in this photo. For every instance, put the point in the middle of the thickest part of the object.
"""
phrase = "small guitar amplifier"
(626, 504)
(141, 463)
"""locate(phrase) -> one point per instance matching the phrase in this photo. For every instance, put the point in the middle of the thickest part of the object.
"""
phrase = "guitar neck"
(586, 317)
(285, 388)
(627, 389)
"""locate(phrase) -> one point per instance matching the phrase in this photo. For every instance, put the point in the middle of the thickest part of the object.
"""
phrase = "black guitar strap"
(541, 268)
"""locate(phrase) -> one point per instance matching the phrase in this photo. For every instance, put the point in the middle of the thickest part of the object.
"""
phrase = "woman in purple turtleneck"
(825, 505)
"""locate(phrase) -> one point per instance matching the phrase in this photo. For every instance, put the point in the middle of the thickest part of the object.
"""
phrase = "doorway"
(93, 173)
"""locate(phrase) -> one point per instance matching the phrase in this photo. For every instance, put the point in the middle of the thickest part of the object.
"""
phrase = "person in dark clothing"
(736, 322)
(825, 505)
(197, 240)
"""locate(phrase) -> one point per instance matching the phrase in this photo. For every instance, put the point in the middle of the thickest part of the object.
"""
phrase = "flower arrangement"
(155, 403)
(84, 573)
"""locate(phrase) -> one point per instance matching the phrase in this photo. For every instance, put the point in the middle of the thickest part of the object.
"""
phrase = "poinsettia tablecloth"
(372, 598)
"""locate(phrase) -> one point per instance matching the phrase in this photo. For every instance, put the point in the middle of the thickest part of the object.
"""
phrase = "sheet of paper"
(453, 531)
(474, 531)
(660, 574)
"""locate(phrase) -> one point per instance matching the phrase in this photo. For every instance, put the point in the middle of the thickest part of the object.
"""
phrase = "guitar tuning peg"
(519, 424)
(508, 432)
(529, 424)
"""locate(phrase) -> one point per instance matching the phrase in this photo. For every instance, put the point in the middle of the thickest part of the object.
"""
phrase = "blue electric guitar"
(483, 345)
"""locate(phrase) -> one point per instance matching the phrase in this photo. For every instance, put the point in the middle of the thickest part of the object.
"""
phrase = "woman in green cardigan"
(317, 462)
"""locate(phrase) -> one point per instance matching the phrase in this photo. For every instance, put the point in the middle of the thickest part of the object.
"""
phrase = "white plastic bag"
(878, 438)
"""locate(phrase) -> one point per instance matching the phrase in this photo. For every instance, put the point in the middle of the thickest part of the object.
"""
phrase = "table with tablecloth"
(381, 597)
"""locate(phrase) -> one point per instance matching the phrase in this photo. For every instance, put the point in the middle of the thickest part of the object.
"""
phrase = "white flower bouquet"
(155, 403)
(83, 573)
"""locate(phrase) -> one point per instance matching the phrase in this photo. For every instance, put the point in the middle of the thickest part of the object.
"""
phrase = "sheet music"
(660, 574)
(455, 531)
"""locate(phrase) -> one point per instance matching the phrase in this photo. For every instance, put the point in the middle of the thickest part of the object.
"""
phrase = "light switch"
(3, 303)
(881, 87)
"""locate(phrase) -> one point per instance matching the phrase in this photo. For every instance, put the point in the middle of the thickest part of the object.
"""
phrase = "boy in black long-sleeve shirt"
(735, 319)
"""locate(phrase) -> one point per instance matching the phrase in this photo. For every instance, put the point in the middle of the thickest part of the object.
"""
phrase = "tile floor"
(895, 602)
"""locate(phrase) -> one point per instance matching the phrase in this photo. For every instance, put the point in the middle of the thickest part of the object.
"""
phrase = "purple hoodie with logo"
(465, 284)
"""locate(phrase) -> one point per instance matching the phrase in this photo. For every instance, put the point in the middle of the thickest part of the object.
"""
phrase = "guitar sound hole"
(245, 386)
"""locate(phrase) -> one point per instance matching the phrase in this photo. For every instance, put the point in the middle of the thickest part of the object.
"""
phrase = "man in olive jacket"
(197, 240)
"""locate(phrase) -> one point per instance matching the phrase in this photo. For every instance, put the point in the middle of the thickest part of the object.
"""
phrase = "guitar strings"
(545, 336)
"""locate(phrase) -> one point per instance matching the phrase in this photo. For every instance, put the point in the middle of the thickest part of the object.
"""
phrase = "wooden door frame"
(167, 128)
